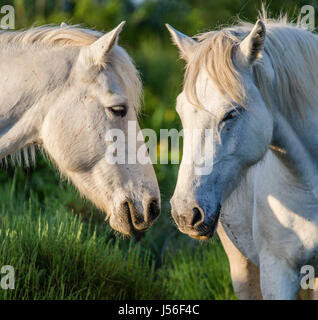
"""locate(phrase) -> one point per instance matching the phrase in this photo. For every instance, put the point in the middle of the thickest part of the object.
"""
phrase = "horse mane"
(50, 37)
(293, 54)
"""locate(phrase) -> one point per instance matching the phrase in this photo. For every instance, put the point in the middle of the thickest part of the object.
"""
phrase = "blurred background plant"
(177, 266)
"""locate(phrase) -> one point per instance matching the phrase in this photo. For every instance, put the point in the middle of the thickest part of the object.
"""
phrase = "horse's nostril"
(136, 219)
(153, 210)
(197, 216)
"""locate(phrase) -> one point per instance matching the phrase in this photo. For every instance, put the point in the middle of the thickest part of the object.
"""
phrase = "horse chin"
(198, 237)
(126, 229)
(203, 236)
(123, 228)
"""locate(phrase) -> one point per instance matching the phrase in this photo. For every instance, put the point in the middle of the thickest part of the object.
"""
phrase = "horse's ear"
(100, 48)
(251, 47)
(183, 42)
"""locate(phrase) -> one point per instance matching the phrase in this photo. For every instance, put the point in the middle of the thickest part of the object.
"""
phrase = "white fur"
(265, 171)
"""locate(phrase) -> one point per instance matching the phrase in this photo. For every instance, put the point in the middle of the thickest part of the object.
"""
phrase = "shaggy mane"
(285, 44)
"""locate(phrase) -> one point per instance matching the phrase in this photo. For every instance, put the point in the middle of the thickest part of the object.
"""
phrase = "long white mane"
(293, 54)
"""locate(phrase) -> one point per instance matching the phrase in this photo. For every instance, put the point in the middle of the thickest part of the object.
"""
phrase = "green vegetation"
(58, 243)
(61, 249)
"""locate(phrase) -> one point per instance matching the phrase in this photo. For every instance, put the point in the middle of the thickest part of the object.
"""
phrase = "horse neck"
(29, 79)
(293, 142)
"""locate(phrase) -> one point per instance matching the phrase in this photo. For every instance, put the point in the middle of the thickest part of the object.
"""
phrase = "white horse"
(257, 88)
(63, 88)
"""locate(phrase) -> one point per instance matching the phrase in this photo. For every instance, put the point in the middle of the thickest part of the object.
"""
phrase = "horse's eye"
(119, 111)
(231, 115)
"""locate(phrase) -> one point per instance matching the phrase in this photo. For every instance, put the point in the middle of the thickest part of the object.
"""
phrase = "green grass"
(197, 273)
(61, 248)
(56, 255)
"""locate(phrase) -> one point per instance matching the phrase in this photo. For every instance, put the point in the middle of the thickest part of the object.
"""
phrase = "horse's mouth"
(128, 225)
(198, 237)
(127, 230)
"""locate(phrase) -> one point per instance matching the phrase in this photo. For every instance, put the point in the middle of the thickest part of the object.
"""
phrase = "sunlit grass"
(62, 249)
(56, 255)
(197, 273)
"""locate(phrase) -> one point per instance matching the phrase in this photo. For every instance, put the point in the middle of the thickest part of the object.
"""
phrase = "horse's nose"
(189, 219)
(193, 221)
(143, 220)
